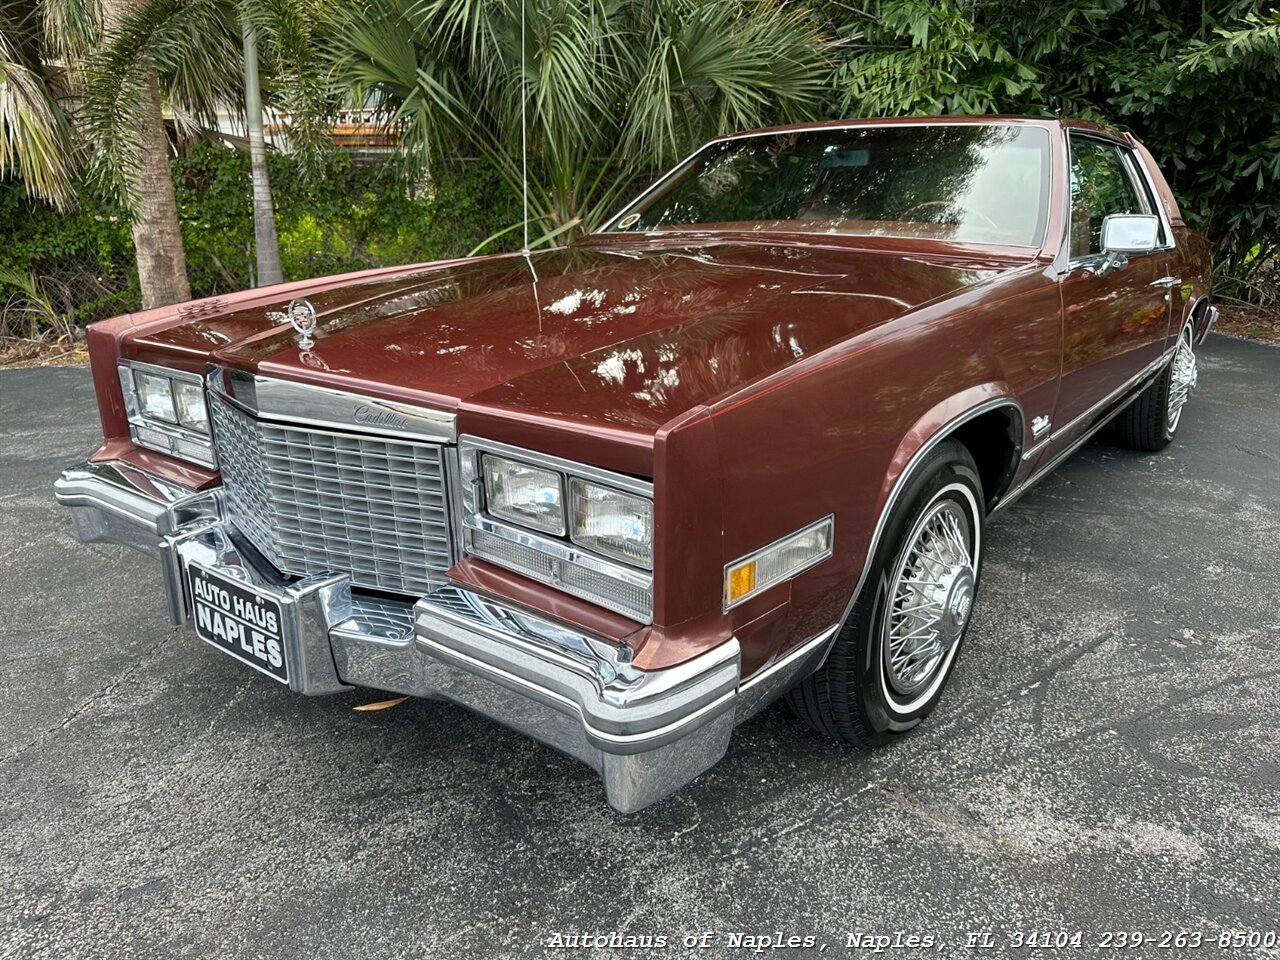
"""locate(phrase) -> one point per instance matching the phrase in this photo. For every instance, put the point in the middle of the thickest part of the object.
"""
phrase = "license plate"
(238, 620)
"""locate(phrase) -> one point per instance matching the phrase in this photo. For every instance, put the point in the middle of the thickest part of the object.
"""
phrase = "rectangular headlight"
(581, 529)
(189, 399)
(613, 523)
(523, 494)
(167, 411)
(155, 397)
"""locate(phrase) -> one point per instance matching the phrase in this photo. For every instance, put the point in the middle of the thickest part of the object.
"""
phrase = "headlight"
(581, 529)
(155, 397)
(167, 412)
(524, 494)
(613, 523)
(192, 412)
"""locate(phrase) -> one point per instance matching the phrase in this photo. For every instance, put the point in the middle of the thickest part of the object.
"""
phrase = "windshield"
(970, 183)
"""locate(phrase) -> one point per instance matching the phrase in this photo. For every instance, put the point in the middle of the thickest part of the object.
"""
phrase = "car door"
(1115, 321)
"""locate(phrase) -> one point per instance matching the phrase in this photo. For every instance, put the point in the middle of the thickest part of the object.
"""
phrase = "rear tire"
(1151, 420)
(893, 656)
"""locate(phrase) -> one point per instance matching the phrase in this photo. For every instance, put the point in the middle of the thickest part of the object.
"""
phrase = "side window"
(1100, 185)
(1152, 204)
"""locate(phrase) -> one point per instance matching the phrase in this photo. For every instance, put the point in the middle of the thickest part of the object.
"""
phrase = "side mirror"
(1126, 233)
(1130, 232)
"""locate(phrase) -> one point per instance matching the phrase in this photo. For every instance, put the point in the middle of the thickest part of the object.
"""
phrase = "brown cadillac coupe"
(741, 443)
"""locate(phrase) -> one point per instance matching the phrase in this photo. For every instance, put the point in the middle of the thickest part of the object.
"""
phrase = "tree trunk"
(157, 239)
(264, 215)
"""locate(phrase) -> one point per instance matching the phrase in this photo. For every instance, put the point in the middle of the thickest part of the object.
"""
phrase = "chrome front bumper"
(647, 733)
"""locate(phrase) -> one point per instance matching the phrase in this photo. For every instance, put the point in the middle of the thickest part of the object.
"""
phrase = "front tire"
(893, 657)
(1151, 420)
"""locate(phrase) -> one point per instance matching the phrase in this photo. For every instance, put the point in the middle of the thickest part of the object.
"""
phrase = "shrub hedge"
(348, 217)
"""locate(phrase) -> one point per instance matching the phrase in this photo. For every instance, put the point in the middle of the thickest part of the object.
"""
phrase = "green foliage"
(349, 217)
(1195, 81)
(82, 261)
(611, 89)
(195, 50)
(36, 138)
(617, 90)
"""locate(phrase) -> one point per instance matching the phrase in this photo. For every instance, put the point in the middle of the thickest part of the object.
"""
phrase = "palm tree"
(157, 237)
(610, 89)
(204, 55)
(41, 51)
(128, 59)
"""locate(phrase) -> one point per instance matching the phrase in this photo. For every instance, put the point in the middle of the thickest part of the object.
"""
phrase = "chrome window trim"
(1150, 197)
(311, 405)
(828, 520)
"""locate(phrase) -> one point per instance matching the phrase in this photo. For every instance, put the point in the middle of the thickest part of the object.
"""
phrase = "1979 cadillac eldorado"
(743, 442)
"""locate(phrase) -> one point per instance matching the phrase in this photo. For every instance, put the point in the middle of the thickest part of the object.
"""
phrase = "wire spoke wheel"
(929, 598)
(1183, 377)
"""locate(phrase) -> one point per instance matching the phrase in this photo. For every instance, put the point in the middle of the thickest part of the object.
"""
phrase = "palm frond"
(36, 139)
(193, 48)
(295, 75)
(609, 88)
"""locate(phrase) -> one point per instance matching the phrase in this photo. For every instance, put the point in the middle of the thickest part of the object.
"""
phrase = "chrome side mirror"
(1126, 233)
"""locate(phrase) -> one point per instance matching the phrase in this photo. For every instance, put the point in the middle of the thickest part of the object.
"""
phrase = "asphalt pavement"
(1106, 757)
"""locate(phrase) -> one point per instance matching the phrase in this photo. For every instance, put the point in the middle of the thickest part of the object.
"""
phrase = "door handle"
(1167, 283)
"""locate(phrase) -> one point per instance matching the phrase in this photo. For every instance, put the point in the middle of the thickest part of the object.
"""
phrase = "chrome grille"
(316, 501)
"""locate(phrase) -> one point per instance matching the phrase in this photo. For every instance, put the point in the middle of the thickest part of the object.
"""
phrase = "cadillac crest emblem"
(301, 315)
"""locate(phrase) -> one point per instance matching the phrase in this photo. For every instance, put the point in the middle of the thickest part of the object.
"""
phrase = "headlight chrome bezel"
(579, 569)
(177, 437)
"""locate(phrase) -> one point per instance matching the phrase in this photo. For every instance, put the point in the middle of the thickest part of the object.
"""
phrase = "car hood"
(627, 336)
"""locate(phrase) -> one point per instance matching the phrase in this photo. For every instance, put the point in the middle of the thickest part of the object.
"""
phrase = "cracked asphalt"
(1106, 757)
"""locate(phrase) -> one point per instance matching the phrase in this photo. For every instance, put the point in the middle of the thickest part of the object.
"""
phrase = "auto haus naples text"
(238, 622)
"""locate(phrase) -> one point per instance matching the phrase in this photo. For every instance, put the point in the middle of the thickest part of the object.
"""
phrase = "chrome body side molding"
(769, 683)
(1117, 400)
(1125, 389)
(314, 406)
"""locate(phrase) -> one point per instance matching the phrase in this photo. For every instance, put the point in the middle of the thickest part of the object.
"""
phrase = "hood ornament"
(301, 315)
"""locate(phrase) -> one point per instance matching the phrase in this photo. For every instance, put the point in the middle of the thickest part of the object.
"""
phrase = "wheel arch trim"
(941, 433)
(1195, 312)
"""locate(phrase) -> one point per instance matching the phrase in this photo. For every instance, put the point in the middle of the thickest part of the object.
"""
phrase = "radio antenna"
(524, 130)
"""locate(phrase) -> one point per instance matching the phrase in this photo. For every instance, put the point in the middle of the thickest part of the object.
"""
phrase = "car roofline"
(961, 120)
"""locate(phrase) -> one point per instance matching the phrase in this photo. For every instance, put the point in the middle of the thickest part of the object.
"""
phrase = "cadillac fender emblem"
(301, 315)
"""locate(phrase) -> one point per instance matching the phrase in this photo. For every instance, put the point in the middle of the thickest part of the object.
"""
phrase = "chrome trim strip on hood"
(292, 402)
